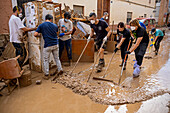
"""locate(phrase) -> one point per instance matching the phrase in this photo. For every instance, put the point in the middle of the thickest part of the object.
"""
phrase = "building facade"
(119, 10)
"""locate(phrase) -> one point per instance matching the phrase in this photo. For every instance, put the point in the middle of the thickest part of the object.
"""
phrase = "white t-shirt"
(68, 25)
(15, 25)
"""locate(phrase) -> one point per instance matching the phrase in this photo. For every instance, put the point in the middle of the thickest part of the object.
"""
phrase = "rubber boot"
(121, 63)
(135, 65)
(124, 66)
(100, 65)
(136, 72)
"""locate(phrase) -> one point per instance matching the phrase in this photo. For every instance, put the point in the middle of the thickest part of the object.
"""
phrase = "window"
(129, 17)
(78, 9)
(145, 15)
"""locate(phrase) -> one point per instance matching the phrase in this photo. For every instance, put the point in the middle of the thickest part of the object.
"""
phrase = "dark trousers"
(157, 43)
(123, 49)
(68, 46)
(20, 50)
(139, 59)
(140, 52)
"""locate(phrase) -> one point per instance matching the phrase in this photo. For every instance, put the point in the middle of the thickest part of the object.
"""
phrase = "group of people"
(136, 34)
(54, 43)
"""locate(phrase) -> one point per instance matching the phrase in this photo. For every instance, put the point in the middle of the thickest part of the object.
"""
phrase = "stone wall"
(6, 11)
(4, 39)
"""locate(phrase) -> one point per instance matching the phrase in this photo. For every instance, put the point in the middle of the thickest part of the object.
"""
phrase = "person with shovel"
(140, 46)
(124, 42)
(102, 31)
(158, 38)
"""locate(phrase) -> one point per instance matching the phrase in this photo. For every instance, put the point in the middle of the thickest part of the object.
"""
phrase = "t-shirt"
(142, 24)
(102, 19)
(126, 35)
(100, 29)
(159, 33)
(49, 31)
(15, 25)
(69, 27)
(141, 32)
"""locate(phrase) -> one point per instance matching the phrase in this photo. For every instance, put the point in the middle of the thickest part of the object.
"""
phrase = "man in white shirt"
(66, 28)
(16, 29)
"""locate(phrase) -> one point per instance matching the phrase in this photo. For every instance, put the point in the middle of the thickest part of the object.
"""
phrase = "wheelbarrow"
(9, 70)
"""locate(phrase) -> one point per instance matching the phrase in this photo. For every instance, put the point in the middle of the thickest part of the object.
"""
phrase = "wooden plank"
(110, 46)
(77, 47)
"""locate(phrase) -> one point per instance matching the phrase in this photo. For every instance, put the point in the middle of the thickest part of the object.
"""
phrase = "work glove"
(105, 39)
(88, 39)
(116, 50)
(61, 34)
(127, 52)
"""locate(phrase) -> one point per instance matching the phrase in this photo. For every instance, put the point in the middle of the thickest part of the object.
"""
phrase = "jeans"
(20, 50)
(68, 45)
(55, 51)
(157, 43)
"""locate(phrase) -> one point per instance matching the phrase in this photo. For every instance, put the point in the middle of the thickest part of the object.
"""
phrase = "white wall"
(89, 5)
(14, 3)
(119, 9)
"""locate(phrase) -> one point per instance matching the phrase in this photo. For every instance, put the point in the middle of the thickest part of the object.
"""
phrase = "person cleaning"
(124, 42)
(140, 46)
(158, 34)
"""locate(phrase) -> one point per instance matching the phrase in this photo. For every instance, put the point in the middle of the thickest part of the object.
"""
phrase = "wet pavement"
(149, 93)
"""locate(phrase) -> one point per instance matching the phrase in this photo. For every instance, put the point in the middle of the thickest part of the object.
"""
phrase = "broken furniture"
(9, 70)
(35, 13)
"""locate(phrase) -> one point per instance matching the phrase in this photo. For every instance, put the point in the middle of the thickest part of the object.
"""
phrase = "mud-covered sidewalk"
(150, 92)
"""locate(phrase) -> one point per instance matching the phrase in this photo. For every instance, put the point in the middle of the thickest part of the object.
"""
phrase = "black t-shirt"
(100, 29)
(141, 32)
(125, 34)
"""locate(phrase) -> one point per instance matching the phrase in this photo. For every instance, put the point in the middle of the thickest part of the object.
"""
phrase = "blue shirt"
(102, 19)
(49, 31)
(159, 33)
(142, 24)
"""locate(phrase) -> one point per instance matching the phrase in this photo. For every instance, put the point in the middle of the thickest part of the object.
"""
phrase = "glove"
(105, 39)
(127, 52)
(61, 34)
(151, 39)
(88, 38)
(115, 50)
(131, 38)
(151, 45)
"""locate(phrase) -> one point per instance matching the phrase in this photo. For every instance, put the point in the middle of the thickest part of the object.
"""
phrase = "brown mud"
(131, 90)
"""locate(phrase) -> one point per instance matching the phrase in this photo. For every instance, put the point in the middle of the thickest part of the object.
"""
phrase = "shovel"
(104, 40)
(124, 64)
(96, 78)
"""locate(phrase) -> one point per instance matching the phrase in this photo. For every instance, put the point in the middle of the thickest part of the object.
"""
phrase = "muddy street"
(149, 93)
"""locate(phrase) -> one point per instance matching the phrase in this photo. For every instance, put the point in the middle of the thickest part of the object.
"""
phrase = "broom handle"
(79, 57)
(108, 65)
(95, 62)
(124, 63)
